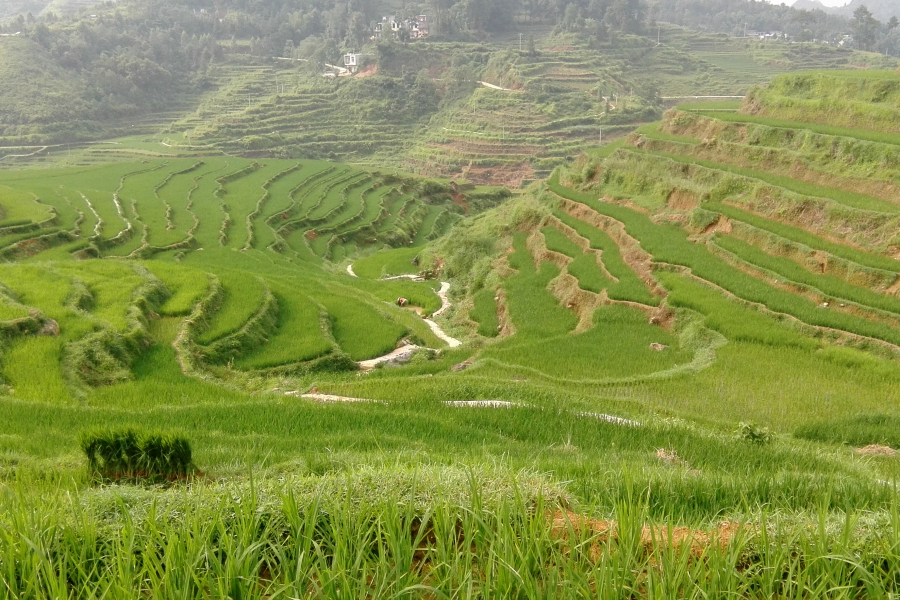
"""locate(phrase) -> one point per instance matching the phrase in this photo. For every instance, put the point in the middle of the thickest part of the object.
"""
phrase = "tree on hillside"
(627, 15)
(865, 27)
(358, 31)
(890, 43)
(806, 20)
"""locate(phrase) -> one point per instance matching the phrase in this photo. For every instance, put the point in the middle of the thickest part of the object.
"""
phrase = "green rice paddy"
(646, 337)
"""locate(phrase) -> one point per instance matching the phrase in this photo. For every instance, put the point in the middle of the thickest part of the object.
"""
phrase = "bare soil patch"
(507, 328)
(581, 302)
(510, 175)
(682, 200)
(876, 450)
(489, 149)
(722, 225)
(694, 541)
(540, 253)
(368, 71)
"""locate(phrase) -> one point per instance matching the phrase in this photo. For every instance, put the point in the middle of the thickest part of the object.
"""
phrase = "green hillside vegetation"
(421, 105)
(555, 100)
(667, 366)
(844, 99)
(45, 96)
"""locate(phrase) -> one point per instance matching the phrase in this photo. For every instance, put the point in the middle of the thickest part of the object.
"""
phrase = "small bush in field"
(129, 452)
(754, 434)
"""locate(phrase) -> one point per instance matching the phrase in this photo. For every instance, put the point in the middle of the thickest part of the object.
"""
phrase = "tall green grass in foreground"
(420, 535)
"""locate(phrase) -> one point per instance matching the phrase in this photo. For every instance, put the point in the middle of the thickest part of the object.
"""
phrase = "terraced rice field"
(679, 326)
(519, 134)
(805, 253)
(697, 226)
(238, 240)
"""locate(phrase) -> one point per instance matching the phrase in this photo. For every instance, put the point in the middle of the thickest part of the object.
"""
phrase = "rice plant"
(669, 244)
(243, 296)
(133, 453)
(484, 312)
(388, 263)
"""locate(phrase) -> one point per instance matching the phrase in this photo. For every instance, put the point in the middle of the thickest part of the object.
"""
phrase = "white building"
(352, 61)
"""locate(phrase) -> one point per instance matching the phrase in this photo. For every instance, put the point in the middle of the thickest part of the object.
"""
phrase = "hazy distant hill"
(44, 92)
(12, 8)
(66, 6)
(882, 9)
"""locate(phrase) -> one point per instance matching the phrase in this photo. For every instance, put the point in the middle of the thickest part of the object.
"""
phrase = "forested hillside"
(80, 78)
(89, 75)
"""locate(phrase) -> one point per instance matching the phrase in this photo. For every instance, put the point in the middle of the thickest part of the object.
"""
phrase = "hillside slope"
(480, 113)
(44, 95)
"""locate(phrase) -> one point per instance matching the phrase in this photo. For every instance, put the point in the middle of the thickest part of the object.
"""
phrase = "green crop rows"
(680, 330)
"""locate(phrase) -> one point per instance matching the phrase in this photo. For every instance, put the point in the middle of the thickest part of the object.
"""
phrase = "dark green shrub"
(133, 453)
(749, 432)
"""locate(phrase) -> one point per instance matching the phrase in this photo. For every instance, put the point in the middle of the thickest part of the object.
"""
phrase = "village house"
(419, 26)
(352, 61)
(416, 27)
(767, 36)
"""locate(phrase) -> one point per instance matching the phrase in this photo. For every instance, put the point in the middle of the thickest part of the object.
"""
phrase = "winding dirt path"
(445, 301)
(437, 329)
(406, 350)
(406, 276)
(41, 149)
(442, 293)
(401, 352)
(330, 398)
(496, 87)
